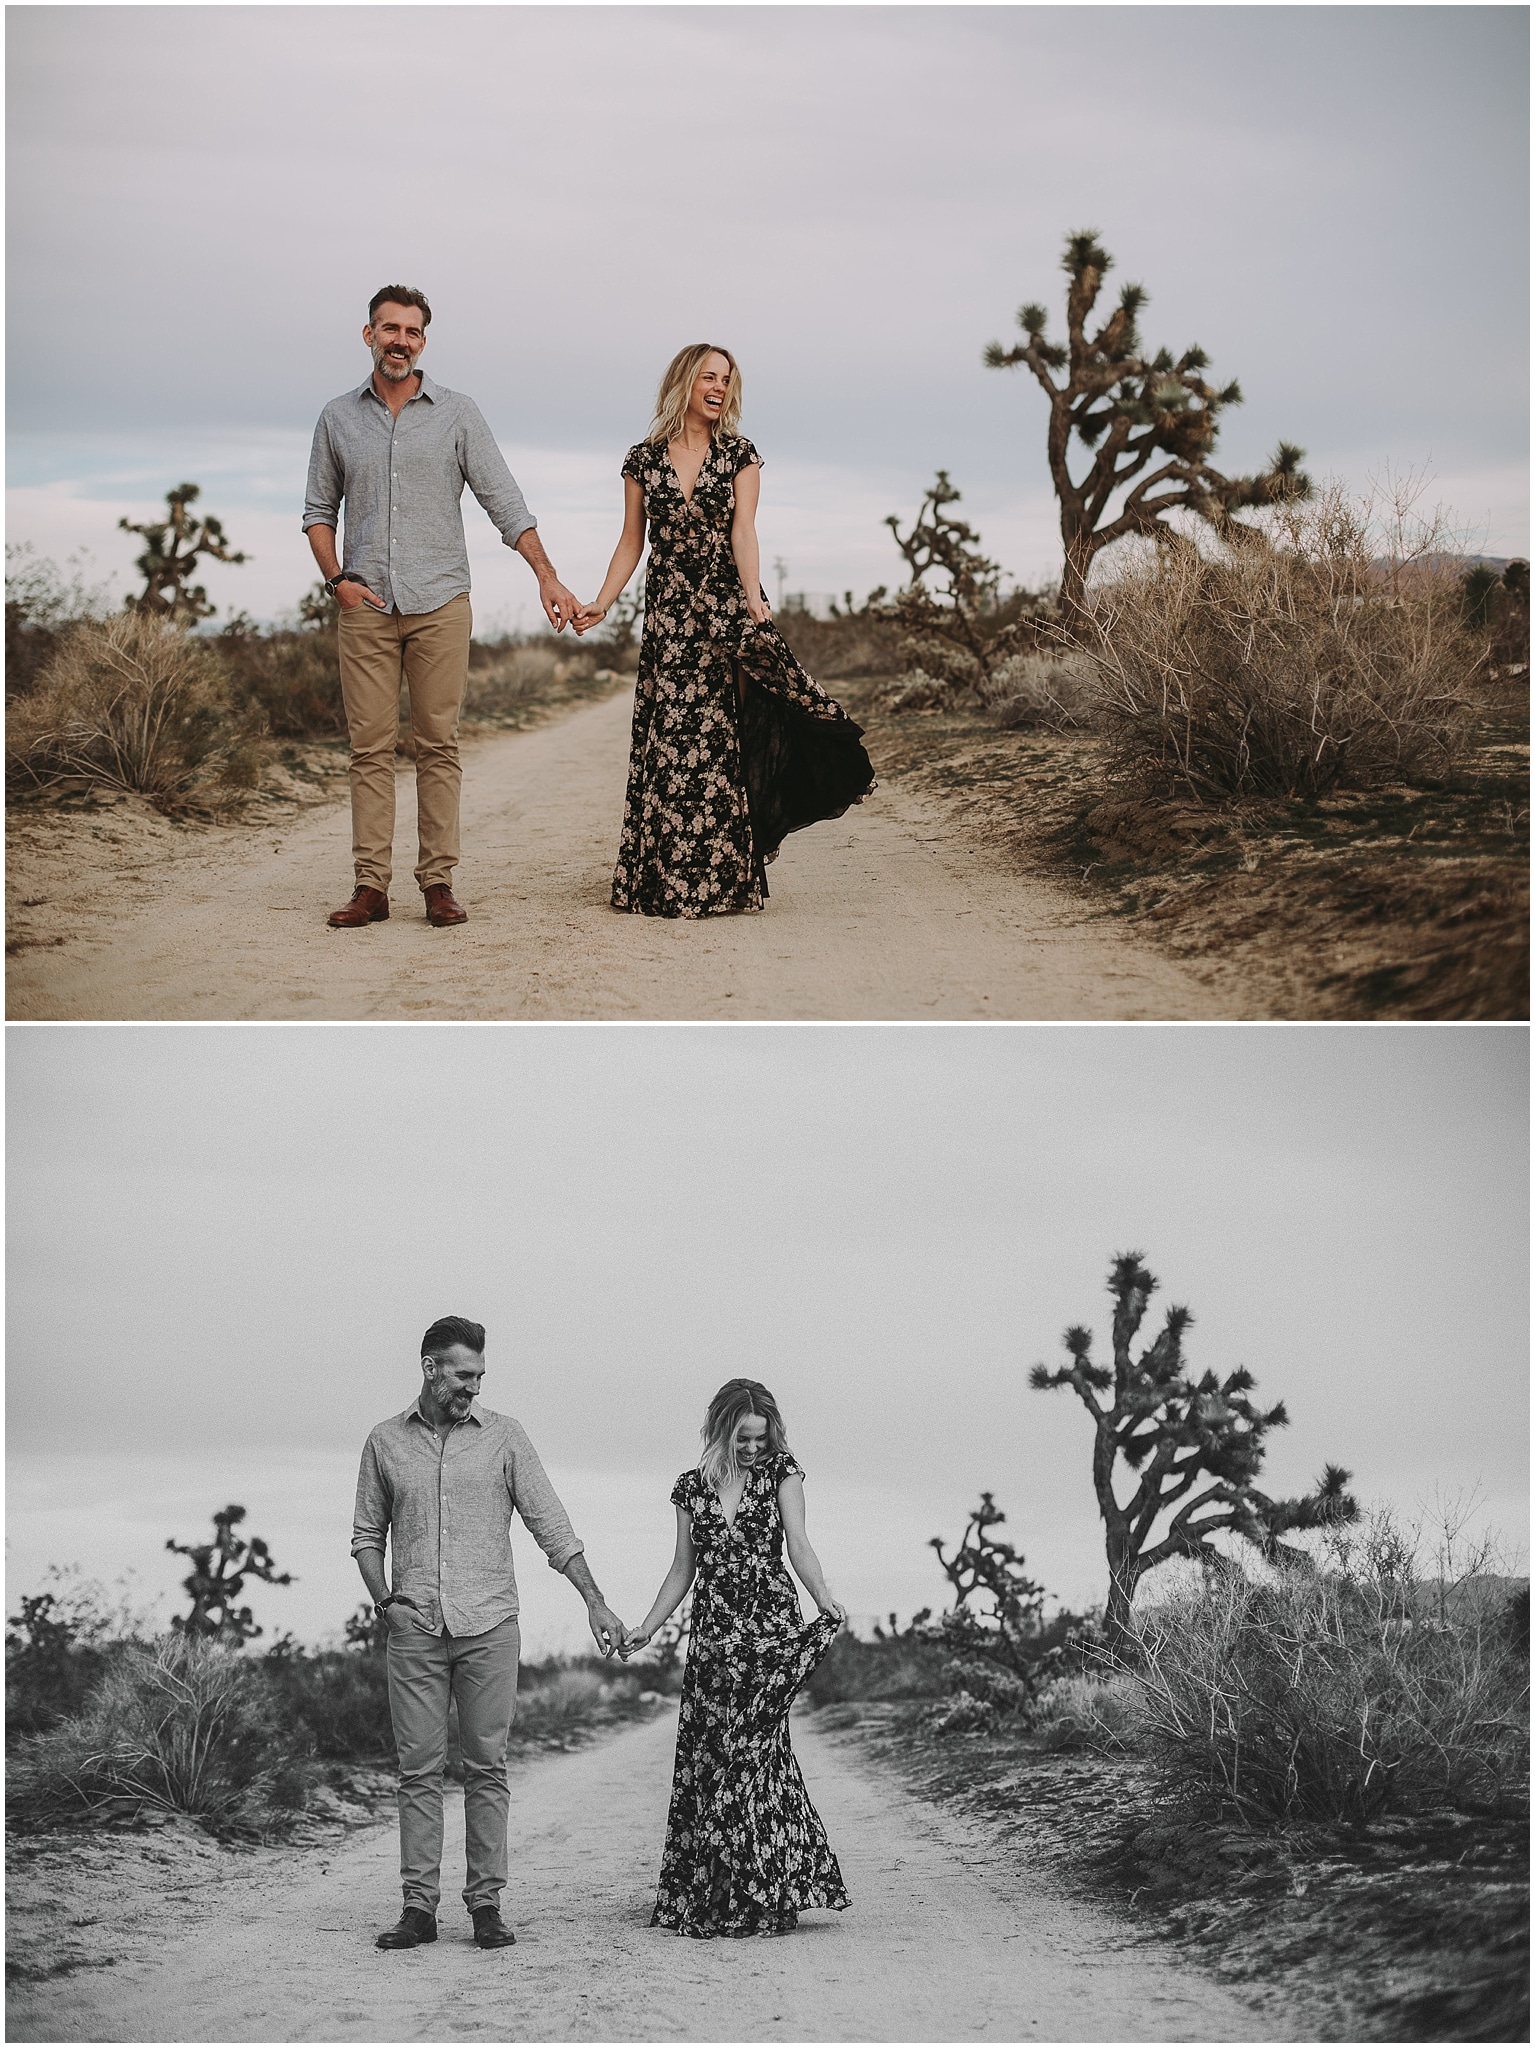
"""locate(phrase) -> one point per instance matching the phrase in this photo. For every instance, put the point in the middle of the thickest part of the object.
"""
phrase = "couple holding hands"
(734, 745)
(745, 1851)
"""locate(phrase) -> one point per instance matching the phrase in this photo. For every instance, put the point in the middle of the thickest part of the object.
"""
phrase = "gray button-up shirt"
(401, 480)
(446, 1506)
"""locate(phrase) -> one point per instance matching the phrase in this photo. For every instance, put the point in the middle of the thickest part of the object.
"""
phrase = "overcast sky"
(1332, 200)
(225, 1244)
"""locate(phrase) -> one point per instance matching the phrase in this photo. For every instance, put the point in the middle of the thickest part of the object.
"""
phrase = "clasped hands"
(610, 1634)
(632, 1639)
(585, 616)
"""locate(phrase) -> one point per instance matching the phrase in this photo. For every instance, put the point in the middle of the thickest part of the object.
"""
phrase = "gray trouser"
(480, 1673)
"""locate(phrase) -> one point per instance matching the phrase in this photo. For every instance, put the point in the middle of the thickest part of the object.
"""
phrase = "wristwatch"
(345, 576)
(380, 1605)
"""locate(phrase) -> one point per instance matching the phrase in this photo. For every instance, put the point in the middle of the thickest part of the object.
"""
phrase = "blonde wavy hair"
(734, 1402)
(677, 388)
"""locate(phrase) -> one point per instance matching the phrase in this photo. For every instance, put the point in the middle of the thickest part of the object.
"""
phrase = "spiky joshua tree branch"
(218, 1575)
(1197, 1446)
(1133, 409)
(171, 554)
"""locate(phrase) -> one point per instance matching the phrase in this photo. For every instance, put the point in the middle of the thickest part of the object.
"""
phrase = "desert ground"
(172, 1938)
(888, 912)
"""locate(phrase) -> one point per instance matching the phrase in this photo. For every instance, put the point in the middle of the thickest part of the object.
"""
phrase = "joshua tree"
(961, 631)
(1197, 1446)
(219, 1571)
(1140, 408)
(998, 1611)
(319, 609)
(366, 1629)
(174, 545)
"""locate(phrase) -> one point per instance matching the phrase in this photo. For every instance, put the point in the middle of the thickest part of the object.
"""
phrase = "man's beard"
(391, 365)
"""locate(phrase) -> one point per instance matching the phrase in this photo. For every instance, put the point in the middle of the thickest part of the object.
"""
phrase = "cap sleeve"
(685, 1492)
(786, 1466)
(742, 455)
(635, 462)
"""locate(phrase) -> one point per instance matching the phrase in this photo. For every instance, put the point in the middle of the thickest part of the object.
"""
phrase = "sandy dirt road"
(945, 1940)
(886, 913)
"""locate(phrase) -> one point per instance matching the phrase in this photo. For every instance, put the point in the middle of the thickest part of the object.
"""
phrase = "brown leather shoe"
(365, 906)
(441, 908)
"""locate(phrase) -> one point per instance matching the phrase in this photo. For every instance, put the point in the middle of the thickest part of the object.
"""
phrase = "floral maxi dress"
(734, 745)
(745, 1850)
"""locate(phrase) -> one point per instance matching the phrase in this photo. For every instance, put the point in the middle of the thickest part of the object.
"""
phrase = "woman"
(734, 745)
(745, 1850)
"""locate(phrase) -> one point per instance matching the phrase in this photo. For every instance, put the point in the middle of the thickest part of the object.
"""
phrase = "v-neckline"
(730, 1524)
(687, 497)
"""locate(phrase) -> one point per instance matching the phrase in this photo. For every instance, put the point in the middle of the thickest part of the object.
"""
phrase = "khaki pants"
(429, 653)
(480, 1673)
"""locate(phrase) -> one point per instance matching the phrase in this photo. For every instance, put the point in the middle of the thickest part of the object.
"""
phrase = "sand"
(889, 912)
(947, 1939)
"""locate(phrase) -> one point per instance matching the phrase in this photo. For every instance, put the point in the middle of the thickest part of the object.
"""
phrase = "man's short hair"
(450, 1330)
(400, 295)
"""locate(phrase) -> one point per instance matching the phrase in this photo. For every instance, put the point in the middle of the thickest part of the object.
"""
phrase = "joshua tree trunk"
(1080, 548)
(1123, 1580)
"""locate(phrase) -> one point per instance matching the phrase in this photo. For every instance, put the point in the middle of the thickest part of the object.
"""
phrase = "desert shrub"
(290, 678)
(1322, 654)
(48, 1673)
(1058, 691)
(340, 1698)
(186, 1727)
(915, 690)
(59, 1643)
(505, 676)
(41, 606)
(1084, 1710)
(1005, 1692)
(135, 703)
(1332, 1694)
(961, 1713)
(560, 1699)
(855, 641)
(1499, 606)
(896, 1667)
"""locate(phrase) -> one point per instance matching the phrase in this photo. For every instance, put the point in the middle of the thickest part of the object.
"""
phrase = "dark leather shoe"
(411, 1929)
(365, 906)
(440, 907)
(490, 1930)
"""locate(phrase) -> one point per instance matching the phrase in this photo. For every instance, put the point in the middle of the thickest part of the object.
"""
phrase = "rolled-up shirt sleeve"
(538, 1503)
(487, 475)
(370, 1518)
(324, 489)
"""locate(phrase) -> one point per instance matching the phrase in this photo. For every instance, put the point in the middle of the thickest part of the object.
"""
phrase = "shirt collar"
(413, 1413)
(429, 390)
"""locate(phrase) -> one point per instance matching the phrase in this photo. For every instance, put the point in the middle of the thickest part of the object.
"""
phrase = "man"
(441, 1481)
(398, 451)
